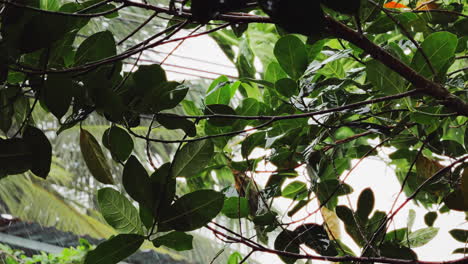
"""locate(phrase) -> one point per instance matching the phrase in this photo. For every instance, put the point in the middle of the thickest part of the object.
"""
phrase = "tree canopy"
(320, 84)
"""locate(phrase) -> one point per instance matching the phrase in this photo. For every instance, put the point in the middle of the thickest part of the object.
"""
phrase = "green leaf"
(179, 241)
(234, 258)
(440, 48)
(285, 241)
(236, 207)
(15, 156)
(251, 142)
(333, 69)
(456, 201)
(194, 210)
(41, 151)
(220, 109)
(384, 79)
(365, 204)
(163, 187)
(163, 96)
(287, 87)
(459, 235)
(114, 249)
(296, 190)
(118, 211)
(192, 158)
(177, 123)
(268, 218)
(57, 94)
(420, 237)
(6, 111)
(385, 24)
(411, 218)
(51, 5)
(274, 72)
(220, 91)
(98, 46)
(291, 54)
(393, 250)
(329, 190)
(315, 237)
(136, 182)
(94, 158)
(463, 251)
(430, 218)
(147, 77)
(119, 142)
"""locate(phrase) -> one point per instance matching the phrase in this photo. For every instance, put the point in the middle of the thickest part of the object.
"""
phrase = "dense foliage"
(320, 83)
(67, 256)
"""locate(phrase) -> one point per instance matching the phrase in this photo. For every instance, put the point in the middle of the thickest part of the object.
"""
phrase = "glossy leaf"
(420, 237)
(285, 241)
(115, 249)
(192, 158)
(430, 218)
(99, 46)
(41, 150)
(57, 94)
(459, 235)
(236, 207)
(365, 204)
(15, 156)
(177, 123)
(220, 109)
(136, 182)
(384, 79)
(291, 54)
(119, 142)
(296, 190)
(179, 241)
(118, 211)
(194, 210)
(439, 47)
(94, 158)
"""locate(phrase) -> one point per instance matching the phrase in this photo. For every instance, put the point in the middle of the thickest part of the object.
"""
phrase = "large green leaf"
(236, 207)
(194, 210)
(365, 204)
(15, 156)
(220, 109)
(118, 211)
(119, 142)
(57, 94)
(136, 182)
(296, 190)
(420, 237)
(291, 54)
(115, 249)
(439, 48)
(177, 123)
(94, 158)
(459, 235)
(192, 158)
(384, 79)
(179, 241)
(41, 151)
(220, 91)
(315, 237)
(99, 46)
(285, 241)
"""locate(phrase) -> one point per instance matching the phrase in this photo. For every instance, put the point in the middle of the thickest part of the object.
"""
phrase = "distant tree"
(317, 80)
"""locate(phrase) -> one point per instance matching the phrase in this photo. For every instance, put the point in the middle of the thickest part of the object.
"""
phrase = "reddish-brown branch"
(257, 248)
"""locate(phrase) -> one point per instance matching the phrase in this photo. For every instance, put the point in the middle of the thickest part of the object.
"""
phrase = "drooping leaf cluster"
(310, 103)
